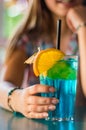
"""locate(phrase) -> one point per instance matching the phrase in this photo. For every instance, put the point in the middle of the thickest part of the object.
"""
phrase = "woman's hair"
(36, 21)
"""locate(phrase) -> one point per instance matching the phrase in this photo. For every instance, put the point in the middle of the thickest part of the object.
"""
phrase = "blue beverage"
(62, 76)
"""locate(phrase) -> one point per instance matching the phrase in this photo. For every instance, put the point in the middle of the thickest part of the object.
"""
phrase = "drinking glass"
(63, 77)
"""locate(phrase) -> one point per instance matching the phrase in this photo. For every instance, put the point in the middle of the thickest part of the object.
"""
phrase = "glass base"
(60, 119)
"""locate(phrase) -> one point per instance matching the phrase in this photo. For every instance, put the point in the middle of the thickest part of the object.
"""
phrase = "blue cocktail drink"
(63, 76)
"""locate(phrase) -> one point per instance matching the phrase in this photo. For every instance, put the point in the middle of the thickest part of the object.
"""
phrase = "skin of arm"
(25, 100)
(75, 17)
(14, 71)
(82, 48)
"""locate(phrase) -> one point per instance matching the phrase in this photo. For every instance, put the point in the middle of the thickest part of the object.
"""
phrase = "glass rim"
(72, 56)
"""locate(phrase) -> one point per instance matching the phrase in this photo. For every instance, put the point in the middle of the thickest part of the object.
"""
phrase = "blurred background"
(11, 13)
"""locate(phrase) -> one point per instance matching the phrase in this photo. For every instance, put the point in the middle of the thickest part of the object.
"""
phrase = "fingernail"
(51, 89)
(52, 107)
(45, 114)
(55, 101)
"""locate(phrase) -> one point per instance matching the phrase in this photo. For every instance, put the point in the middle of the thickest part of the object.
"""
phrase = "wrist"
(13, 97)
(81, 35)
(81, 28)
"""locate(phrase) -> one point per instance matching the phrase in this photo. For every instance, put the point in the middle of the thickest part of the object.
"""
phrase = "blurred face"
(61, 7)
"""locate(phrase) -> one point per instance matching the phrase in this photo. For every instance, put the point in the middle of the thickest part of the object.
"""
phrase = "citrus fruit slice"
(45, 59)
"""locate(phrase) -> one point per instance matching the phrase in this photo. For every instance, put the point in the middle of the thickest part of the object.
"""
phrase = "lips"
(65, 1)
(68, 3)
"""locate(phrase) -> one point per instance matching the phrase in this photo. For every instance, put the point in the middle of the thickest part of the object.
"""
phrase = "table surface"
(10, 121)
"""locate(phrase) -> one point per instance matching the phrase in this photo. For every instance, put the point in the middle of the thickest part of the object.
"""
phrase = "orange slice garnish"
(45, 59)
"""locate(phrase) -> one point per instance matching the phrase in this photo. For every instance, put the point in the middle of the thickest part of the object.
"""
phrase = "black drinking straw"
(58, 34)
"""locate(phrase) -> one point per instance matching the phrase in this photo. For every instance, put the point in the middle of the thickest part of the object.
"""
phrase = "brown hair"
(36, 20)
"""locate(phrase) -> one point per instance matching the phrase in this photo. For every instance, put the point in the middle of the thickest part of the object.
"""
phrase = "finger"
(38, 88)
(42, 108)
(75, 17)
(37, 100)
(36, 115)
(70, 19)
(70, 25)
